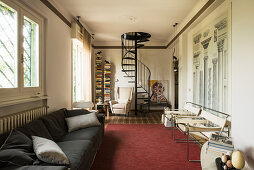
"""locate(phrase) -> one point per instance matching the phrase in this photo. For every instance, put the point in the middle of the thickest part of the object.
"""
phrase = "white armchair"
(123, 102)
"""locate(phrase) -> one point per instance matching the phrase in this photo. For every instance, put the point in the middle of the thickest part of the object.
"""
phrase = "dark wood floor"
(150, 118)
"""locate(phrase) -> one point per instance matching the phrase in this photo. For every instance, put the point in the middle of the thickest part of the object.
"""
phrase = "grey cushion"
(78, 152)
(3, 138)
(18, 140)
(82, 121)
(17, 150)
(35, 128)
(15, 157)
(48, 151)
(55, 123)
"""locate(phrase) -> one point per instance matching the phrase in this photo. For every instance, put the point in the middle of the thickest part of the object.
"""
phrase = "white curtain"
(87, 67)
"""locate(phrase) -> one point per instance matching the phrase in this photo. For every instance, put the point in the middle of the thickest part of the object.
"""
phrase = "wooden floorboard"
(150, 118)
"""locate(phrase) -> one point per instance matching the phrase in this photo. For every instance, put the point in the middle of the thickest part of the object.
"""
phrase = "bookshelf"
(107, 73)
(99, 78)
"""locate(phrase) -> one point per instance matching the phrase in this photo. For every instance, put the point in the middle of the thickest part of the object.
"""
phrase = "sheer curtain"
(87, 65)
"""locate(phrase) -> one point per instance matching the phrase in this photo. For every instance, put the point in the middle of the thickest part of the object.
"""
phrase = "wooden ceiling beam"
(58, 13)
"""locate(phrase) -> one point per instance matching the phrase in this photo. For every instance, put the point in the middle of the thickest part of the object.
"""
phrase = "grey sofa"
(79, 146)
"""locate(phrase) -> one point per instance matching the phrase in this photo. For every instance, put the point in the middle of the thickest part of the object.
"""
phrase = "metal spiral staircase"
(137, 71)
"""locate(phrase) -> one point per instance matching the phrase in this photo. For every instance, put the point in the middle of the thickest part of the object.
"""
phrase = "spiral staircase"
(137, 71)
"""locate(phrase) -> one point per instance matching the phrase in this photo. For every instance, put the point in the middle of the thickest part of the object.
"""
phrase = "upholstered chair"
(122, 103)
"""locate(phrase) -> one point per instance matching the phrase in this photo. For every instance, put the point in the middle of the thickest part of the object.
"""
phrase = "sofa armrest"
(101, 118)
(76, 112)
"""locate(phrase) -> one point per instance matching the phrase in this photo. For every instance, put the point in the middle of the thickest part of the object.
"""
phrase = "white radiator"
(9, 122)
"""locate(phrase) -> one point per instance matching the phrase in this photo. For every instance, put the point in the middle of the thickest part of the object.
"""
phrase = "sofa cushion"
(77, 151)
(12, 157)
(82, 121)
(35, 128)
(48, 151)
(18, 140)
(90, 133)
(17, 150)
(3, 138)
(55, 123)
(76, 112)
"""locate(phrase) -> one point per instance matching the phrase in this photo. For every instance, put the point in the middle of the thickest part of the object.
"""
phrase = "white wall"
(242, 79)
(241, 63)
(159, 62)
(186, 51)
(58, 57)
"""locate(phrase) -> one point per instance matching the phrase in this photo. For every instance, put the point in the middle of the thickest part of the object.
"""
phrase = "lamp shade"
(83, 104)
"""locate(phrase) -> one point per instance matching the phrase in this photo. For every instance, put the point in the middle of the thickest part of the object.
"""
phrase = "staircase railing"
(144, 76)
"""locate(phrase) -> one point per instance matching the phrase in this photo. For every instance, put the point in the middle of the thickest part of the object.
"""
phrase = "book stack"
(99, 78)
(100, 108)
(220, 144)
(107, 73)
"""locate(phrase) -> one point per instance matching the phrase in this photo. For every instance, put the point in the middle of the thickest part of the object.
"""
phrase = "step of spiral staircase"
(128, 70)
(140, 45)
(128, 58)
(132, 67)
(141, 92)
(128, 64)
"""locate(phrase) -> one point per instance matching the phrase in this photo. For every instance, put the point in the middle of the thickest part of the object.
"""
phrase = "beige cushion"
(118, 106)
(122, 101)
(82, 121)
(48, 151)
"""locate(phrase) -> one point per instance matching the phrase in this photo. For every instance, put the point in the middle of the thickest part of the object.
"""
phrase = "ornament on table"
(231, 160)
(238, 160)
(99, 100)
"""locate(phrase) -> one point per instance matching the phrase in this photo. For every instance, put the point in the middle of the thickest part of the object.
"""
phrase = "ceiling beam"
(58, 13)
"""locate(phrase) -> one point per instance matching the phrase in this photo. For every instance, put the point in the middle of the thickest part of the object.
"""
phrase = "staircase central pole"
(136, 76)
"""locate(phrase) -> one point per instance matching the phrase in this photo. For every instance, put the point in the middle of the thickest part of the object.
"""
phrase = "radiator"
(9, 122)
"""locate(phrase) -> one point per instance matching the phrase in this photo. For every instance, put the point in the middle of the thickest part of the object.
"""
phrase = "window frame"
(21, 92)
(78, 45)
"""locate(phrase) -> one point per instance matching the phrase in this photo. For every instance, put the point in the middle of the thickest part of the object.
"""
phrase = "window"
(77, 70)
(31, 53)
(8, 47)
(20, 51)
(81, 64)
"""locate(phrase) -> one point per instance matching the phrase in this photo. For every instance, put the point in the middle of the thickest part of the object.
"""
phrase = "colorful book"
(220, 144)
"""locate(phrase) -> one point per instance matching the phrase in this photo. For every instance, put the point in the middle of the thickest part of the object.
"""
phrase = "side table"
(105, 107)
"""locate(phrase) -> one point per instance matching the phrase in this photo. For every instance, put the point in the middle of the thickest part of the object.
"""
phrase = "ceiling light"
(132, 19)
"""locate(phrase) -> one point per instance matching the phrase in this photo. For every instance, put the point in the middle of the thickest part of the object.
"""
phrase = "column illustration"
(222, 63)
(195, 77)
(209, 87)
(215, 85)
(201, 88)
(205, 45)
(220, 72)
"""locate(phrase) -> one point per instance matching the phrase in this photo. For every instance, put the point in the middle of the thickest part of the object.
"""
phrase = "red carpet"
(143, 147)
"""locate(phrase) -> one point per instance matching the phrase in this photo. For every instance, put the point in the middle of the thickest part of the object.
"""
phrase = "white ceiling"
(108, 19)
